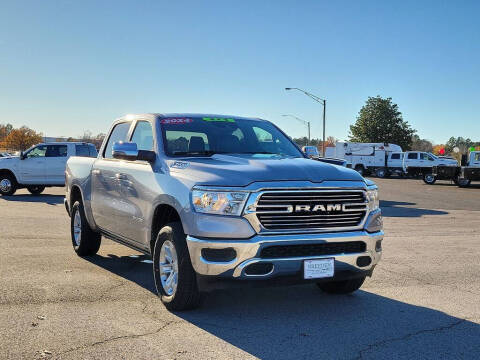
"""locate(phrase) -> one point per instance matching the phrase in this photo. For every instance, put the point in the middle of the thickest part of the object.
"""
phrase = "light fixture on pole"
(321, 101)
(305, 122)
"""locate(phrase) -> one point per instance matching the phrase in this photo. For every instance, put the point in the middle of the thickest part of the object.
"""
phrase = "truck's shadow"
(300, 322)
(43, 198)
(405, 209)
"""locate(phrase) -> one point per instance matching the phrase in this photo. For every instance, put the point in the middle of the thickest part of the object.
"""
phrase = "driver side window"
(36, 152)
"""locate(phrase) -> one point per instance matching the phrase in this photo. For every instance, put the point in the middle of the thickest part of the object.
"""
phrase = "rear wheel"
(35, 189)
(8, 184)
(85, 241)
(463, 183)
(342, 287)
(173, 273)
(429, 179)
(360, 169)
(381, 173)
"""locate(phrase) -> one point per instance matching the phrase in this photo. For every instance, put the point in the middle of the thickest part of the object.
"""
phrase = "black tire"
(463, 183)
(360, 169)
(36, 189)
(381, 173)
(341, 287)
(429, 179)
(186, 296)
(89, 241)
(8, 184)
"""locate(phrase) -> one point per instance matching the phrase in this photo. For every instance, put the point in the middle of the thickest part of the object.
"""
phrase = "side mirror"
(21, 155)
(129, 151)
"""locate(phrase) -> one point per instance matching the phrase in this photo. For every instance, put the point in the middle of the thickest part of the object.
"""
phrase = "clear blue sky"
(70, 66)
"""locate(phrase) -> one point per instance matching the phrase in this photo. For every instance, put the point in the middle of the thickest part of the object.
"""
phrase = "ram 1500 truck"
(41, 166)
(223, 200)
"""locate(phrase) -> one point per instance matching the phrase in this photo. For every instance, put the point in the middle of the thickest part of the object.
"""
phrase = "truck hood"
(242, 170)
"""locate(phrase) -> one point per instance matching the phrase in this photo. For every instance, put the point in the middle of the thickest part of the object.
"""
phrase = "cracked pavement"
(423, 301)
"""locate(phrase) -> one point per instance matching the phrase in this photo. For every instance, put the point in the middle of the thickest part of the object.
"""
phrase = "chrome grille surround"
(276, 211)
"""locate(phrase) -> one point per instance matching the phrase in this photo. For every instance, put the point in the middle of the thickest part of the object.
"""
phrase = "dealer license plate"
(318, 268)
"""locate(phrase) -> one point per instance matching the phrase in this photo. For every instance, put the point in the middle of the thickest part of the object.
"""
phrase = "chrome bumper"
(248, 252)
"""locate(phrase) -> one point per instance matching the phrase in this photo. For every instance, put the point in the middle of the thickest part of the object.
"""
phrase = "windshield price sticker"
(176, 121)
(219, 119)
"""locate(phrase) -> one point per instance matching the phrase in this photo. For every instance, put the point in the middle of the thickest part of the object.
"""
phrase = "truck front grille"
(311, 210)
(287, 251)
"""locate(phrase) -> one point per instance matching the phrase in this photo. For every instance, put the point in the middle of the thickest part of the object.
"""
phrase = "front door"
(32, 167)
(56, 160)
(107, 202)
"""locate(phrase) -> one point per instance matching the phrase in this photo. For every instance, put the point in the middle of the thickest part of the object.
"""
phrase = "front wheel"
(429, 179)
(35, 189)
(8, 185)
(341, 287)
(85, 241)
(173, 273)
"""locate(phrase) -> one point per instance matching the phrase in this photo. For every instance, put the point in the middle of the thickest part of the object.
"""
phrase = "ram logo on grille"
(320, 208)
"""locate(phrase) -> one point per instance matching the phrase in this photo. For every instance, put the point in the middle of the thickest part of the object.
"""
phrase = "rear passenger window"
(56, 151)
(119, 133)
(412, 156)
(143, 136)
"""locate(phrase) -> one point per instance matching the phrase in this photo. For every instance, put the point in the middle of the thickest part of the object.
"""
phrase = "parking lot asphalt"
(422, 302)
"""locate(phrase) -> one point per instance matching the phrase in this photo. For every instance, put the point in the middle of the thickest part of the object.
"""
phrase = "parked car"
(419, 163)
(312, 153)
(460, 175)
(381, 159)
(41, 166)
(216, 200)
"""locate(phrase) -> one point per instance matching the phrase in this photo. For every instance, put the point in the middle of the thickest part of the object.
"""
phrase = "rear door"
(395, 160)
(32, 167)
(56, 160)
(412, 159)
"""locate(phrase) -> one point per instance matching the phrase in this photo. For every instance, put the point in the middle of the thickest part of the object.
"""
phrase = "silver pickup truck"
(223, 200)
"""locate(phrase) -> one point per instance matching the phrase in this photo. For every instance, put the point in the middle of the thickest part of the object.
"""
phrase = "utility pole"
(321, 101)
(305, 122)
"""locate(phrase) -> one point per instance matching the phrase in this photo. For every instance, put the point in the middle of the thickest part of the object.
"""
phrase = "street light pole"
(304, 122)
(321, 101)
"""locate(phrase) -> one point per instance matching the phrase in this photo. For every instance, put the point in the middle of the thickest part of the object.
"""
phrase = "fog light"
(219, 255)
(363, 261)
(378, 246)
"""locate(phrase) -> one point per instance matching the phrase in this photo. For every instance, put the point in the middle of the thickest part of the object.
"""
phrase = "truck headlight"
(373, 201)
(219, 202)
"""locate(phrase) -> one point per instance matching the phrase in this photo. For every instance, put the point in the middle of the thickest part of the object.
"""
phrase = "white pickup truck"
(420, 163)
(41, 166)
(460, 175)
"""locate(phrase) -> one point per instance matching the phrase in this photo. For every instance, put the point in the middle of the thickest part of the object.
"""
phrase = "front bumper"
(247, 252)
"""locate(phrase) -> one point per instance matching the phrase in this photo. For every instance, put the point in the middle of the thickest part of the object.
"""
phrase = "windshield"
(205, 136)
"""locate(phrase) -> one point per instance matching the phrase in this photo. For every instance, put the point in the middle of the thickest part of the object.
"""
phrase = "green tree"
(379, 120)
(421, 144)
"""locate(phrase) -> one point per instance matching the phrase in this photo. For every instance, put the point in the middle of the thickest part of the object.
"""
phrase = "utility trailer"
(460, 175)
